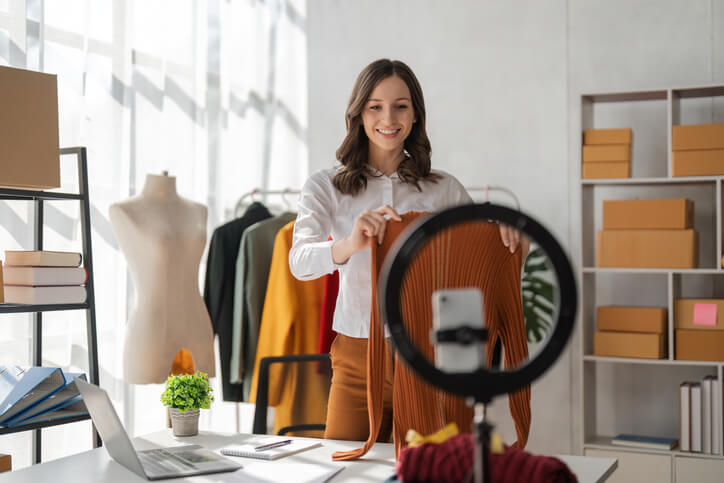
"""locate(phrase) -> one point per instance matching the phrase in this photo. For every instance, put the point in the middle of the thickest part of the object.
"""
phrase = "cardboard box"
(631, 319)
(675, 213)
(607, 136)
(29, 153)
(2, 298)
(703, 162)
(698, 136)
(699, 345)
(6, 463)
(699, 314)
(648, 248)
(606, 153)
(620, 169)
(629, 344)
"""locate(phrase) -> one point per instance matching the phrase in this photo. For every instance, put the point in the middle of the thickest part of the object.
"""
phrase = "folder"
(67, 396)
(22, 388)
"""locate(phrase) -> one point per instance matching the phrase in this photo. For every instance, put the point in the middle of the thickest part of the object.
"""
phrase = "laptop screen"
(109, 426)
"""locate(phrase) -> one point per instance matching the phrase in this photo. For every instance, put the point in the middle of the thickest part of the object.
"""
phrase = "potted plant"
(185, 395)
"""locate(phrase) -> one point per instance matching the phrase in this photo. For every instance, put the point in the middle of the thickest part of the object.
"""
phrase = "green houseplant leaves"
(538, 295)
(188, 391)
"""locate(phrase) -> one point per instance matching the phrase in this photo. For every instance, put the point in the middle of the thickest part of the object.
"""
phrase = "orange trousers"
(347, 416)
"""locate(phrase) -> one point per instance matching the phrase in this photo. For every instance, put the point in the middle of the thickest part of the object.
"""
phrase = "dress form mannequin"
(162, 237)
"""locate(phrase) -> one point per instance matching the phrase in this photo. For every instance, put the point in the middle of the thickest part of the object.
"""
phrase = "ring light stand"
(481, 384)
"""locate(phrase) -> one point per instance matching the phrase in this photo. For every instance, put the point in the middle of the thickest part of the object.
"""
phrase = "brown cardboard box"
(675, 213)
(29, 153)
(607, 136)
(6, 463)
(699, 345)
(2, 298)
(629, 344)
(698, 136)
(684, 314)
(648, 248)
(621, 169)
(702, 162)
(631, 319)
(606, 153)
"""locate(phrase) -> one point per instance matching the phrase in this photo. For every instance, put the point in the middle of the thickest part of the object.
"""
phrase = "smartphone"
(452, 309)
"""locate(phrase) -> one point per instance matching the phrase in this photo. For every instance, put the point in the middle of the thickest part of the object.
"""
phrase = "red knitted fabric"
(329, 302)
(452, 461)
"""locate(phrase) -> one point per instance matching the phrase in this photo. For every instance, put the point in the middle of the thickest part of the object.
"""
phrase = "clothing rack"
(488, 188)
(287, 191)
(261, 192)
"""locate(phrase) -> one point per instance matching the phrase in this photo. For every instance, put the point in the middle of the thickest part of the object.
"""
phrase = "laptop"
(153, 464)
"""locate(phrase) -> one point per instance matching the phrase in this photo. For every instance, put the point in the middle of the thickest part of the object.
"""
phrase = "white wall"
(502, 82)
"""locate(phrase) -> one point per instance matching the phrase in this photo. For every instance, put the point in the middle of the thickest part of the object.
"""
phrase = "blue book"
(641, 441)
(22, 388)
(66, 396)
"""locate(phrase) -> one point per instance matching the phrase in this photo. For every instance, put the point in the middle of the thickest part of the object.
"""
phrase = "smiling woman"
(386, 114)
(384, 174)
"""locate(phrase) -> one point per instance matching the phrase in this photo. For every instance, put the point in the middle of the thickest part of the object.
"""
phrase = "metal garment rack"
(488, 188)
(38, 197)
(261, 192)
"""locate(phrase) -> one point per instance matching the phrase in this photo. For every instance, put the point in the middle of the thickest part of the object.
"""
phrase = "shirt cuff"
(328, 249)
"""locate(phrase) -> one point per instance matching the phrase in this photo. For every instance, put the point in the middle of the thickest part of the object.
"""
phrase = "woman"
(385, 170)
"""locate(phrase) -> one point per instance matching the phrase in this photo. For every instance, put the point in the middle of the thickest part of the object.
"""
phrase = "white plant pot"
(186, 423)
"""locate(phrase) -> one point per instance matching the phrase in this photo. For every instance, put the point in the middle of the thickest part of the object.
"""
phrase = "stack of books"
(700, 416)
(43, 277)
(31, 395)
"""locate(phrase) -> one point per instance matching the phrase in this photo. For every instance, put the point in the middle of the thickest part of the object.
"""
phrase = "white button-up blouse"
(325, 212)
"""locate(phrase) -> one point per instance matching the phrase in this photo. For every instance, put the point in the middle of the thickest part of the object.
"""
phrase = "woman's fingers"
(510, 237)
(504, 235)
(387, 210)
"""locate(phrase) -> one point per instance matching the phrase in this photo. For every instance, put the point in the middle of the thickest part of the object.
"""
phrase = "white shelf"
(604, 443)
(662, 271)
(650, 181)
(620, 395)
(660, 362)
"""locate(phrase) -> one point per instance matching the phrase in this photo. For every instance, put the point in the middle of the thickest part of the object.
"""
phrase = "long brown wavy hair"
(354, 150)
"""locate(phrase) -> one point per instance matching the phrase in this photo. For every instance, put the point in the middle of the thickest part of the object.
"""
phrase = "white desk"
(97, 466)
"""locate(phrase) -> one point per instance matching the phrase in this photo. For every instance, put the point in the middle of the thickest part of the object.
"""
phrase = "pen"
(272, 445)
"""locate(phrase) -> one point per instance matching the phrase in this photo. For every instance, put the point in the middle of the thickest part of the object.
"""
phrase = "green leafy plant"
(188, 391)
(538, 295)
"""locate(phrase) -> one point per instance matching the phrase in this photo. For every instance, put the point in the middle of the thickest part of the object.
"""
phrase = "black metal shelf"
(23, 308)
(38, 198)
(29, 195)
(44, 424)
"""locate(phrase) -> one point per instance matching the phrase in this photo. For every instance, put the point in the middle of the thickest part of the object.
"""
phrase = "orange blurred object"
(183, 363)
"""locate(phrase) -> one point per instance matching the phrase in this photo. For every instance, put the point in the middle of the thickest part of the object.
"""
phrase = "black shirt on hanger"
(219, 287)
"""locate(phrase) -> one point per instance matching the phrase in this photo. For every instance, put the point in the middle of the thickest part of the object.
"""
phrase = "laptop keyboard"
(160, 461)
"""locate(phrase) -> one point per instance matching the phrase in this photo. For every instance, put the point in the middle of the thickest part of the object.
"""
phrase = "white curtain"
(212, 91)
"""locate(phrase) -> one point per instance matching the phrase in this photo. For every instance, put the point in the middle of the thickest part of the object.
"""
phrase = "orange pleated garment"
(466, 255)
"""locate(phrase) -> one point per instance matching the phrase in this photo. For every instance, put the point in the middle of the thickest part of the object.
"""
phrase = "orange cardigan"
(290, 325)
(479, 259)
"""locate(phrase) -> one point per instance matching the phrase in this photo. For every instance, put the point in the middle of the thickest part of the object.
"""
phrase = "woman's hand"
(370, 224)
(512, 238)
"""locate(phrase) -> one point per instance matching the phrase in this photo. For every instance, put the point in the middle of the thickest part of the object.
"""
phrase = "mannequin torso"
(162, 237)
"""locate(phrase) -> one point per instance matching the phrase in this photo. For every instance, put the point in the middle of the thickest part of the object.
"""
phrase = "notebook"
(285, 473)
(642, 441)
(248, 451)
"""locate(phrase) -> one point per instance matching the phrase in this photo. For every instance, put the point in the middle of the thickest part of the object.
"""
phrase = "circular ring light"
(481, 384)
